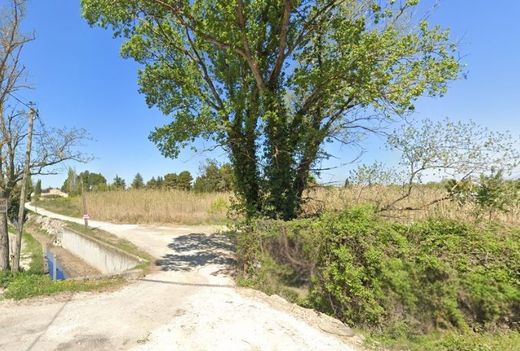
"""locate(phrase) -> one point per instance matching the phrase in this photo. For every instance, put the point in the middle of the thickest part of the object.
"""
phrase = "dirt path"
(190, 305)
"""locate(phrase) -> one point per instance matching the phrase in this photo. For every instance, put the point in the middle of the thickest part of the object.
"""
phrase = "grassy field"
(335, 199)
(156, 206)
(146, 206)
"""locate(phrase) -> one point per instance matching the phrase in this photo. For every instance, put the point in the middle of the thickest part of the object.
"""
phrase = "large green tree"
(273, 81)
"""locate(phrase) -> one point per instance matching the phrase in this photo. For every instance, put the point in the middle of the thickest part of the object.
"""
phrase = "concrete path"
(190, 304)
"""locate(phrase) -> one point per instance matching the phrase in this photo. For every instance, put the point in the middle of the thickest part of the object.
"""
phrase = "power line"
(28, 104)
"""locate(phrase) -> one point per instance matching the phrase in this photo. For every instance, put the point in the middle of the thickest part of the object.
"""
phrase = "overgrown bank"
(34, 281)
(402, 282)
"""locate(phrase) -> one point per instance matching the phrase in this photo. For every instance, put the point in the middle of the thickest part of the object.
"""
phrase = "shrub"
(398, 278)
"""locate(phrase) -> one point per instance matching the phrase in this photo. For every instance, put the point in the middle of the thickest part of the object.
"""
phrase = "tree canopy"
(214, 178)
(274, 81)
(89, 181)
(138, 182)
(118, 183)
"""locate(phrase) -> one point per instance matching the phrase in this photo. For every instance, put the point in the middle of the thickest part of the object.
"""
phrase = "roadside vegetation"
(172, 198)
(429, 285)
(146, 206)
(177, 206)
(25, 285)
(414, 266)
(36, 282)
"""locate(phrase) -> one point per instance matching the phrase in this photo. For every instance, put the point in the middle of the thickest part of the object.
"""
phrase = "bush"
(400, 279)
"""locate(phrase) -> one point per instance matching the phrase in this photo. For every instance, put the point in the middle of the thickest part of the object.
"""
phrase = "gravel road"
(189, 303)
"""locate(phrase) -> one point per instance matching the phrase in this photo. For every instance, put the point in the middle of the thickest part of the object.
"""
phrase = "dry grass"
(322, 199)
(156, 206)
(147, 206)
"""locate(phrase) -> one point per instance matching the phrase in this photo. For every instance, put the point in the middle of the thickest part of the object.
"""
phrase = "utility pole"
(25, 177)
(84, 201)
(4, 234)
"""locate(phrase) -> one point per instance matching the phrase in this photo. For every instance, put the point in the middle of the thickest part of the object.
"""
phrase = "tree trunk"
(244, 158)
(280, 158)
(21, 211)
(4, 238)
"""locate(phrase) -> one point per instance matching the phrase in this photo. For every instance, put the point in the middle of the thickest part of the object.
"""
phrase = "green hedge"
(387, 277)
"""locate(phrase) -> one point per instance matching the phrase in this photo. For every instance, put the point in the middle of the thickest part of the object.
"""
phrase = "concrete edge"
(105, 244)
(130, 274)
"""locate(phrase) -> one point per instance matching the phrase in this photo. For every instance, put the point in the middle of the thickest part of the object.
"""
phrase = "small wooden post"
(84, 201)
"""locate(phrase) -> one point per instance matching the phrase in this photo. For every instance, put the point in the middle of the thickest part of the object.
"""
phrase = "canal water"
(53, 262)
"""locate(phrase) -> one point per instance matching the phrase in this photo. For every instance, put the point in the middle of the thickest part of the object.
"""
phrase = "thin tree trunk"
(4, 238)
(25, 177)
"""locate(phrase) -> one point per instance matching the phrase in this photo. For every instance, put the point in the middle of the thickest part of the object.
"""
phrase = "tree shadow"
(197, 250)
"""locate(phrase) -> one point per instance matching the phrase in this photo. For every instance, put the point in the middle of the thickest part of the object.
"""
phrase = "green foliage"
(89, 181)
(93, 181)
(374, 174)
(449, 341)
(493, 193)
(36, 251)
(184, 180)
(445, 149)
(5, 278)
(14, 202)
(459, 148)
(138, 182)
(118, 183)
(214, 178)
(272, 94)
(490, 192)
(170, 181)
(400, 280)
(71, 185)
(181, 181)
(154, 183)
(38, 189)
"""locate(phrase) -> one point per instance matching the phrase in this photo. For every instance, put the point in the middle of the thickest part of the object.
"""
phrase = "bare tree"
(45, 149)
(457, 150)
(11, 80)
(25, 177)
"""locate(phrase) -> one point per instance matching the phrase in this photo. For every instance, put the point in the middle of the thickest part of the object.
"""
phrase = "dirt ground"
(191, 303)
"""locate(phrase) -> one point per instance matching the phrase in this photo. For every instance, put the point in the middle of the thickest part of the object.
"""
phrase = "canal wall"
(102, 256)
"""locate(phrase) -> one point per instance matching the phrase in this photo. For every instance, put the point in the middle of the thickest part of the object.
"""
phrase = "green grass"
(36, 250)
(64, 206)
(25, 285)
(449, 341)
(34, 282)
(33, 247)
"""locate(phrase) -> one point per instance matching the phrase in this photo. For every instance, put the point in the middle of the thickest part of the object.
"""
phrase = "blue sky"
(80, 80)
